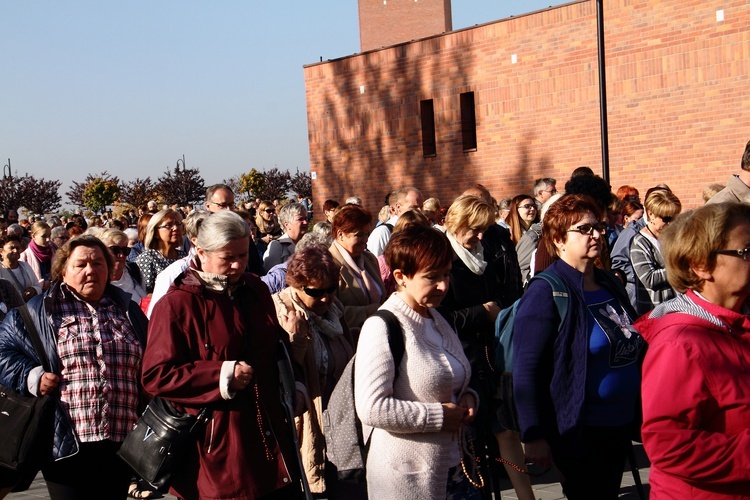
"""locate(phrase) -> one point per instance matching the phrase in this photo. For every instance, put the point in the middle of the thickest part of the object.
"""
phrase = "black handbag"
(159, 442)
(26, 421)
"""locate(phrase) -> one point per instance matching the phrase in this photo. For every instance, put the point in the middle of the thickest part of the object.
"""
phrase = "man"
(219, 197)
(738, 186)
(12, 217)
(152, 207)
(544, 189)
(403, 200)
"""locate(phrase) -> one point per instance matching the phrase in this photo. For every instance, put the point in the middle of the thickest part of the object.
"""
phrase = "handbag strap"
(35, 339)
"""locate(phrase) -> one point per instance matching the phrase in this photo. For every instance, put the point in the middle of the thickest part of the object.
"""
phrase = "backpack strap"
(395, 336)
(35, 338)
(559, 294)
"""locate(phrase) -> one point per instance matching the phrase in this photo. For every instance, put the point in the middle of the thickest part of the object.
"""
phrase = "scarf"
(369, 286)
(474, 258)
(43, 254)
(329, 325)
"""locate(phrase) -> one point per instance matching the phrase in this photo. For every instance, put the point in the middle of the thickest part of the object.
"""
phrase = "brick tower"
(388, 22)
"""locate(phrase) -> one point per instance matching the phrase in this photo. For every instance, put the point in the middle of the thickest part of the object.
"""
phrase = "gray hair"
(542, 184)
(193, 222)
(353, 200)
(290, 211)
(220, 229)
(58, 231)
(15, 229)
(54, 221)
(323, 228)
(131, 233)
(313, 238)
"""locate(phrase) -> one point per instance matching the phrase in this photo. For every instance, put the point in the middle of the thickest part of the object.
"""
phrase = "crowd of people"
(201, 308)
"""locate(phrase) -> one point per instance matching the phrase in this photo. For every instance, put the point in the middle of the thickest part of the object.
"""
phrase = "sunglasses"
(666, 220)
(528, 206)
(119, 251)
(588, 229)
(316, 293)
(270, 211)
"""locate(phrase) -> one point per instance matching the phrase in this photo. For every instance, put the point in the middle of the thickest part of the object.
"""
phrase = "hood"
(689, 308)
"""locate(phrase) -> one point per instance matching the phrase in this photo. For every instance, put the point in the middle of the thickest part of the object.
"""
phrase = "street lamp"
(6, 171)
(183, 163)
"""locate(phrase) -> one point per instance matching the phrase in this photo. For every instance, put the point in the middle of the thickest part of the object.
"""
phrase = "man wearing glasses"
(219, 197)
(544, 189)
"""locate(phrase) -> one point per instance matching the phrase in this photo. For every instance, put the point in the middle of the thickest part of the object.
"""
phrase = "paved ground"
(545, 487)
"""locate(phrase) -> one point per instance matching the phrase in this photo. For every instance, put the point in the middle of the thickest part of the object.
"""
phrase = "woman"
(651, 284)
(293, 219)
(162, 246)
(631, 212)
(416, 447)
(117, 243)
(406, 219)
(329, 209)
(39, 252)
(214, 342)
(137, 248)
(18, 273)
(321, 344)
(471, 305)
(268, 226)
(576, 380)
(360, 288)
(523, 213)
(696, 393)
(94, 336)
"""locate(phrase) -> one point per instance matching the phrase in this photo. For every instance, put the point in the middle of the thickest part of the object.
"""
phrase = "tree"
(301, 183)
(275, 185)
(234, 184)
(75, 193)
(42, 196)
(252, 183)
(181, 186)
(99, 193)
(138, 192)
(37, 195)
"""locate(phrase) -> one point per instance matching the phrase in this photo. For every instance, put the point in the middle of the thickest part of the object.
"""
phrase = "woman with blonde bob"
(696, 393)
(471, 305)
(651, 285)
(162, 246)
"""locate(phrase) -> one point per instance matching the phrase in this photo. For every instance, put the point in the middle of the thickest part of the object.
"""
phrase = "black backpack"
(346, 446)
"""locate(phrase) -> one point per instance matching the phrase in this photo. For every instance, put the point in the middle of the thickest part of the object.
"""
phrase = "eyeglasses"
(551, 191)
(528, 206)
(742, 254)
(588, 229)
(119, 251)
(222, 206)
(666, 220)
(172, 227)
(316, 293)
(270, 210)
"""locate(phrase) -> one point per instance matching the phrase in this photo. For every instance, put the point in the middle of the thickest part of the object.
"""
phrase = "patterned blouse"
(151, 263)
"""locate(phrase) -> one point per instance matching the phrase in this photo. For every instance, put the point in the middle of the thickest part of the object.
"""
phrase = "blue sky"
(129, 87)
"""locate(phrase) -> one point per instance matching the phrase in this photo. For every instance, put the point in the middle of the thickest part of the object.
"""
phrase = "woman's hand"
(48, 383)
(453, 416)
(295, 323)
(243, 373)
(468, 402)
(492, 310)
(538, 453)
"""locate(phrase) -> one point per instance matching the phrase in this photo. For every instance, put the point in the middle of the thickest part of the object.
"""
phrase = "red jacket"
(191, 332)
(696, 400)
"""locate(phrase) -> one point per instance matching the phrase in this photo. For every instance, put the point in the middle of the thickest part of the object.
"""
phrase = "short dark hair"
(210, 190)
(62, 255)
(746, 158)
(591, 185)
(562, 214)
(312, 264)
(349, 219)
(418, 248)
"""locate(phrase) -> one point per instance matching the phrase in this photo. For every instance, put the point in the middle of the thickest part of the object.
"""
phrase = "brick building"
(509, 101)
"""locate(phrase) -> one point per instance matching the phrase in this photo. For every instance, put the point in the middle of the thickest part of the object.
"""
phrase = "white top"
(380, 236)
(165, 279)
(409, 454)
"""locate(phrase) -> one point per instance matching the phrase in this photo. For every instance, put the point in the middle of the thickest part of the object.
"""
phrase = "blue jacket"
(18, 358)
(549, 373)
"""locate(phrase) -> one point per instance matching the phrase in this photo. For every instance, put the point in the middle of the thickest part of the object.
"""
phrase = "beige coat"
(351, 294)
(310, 423)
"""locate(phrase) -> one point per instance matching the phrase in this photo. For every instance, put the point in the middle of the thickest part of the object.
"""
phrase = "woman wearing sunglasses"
(122, 273)
(576, 380)
(320, 343)
(696, 392)
(523, 213)
(651, 285)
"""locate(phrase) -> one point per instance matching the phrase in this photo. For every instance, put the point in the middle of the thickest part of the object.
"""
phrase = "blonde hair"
(663, 203)
(468, 211)
(692, 239)
(38, 226)
(151, 240)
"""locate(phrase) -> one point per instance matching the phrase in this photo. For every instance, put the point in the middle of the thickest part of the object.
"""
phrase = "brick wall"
(387, 22)
(678, 90)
